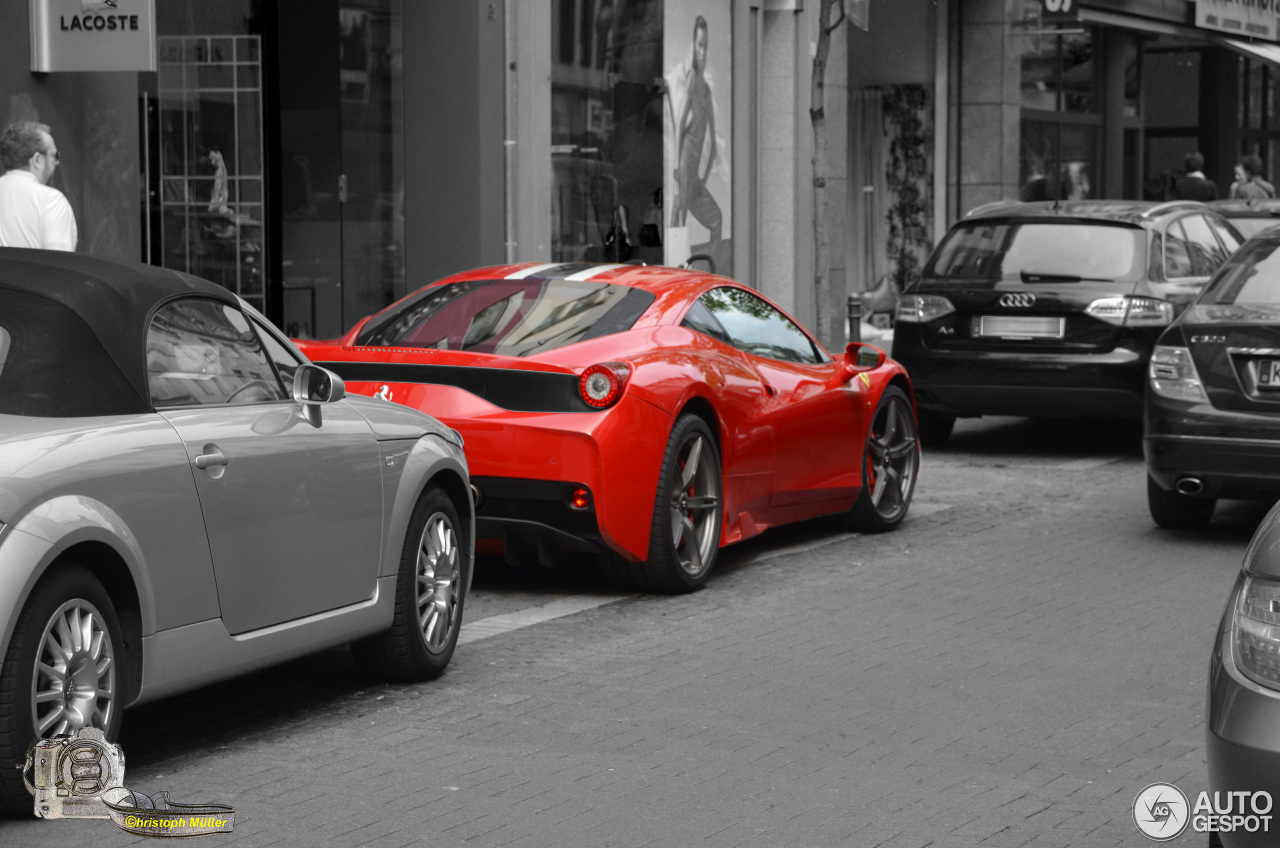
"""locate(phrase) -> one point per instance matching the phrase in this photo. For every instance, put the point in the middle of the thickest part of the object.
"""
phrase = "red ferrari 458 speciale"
(643, 415)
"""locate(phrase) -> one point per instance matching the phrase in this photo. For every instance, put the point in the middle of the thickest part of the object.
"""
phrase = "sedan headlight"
(1173, 375)
(922, 308)
(1255, 623)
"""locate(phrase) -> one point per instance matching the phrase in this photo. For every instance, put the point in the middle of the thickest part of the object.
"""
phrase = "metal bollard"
(855, 317)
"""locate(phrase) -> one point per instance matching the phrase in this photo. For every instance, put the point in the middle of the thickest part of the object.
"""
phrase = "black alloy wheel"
(890, 462)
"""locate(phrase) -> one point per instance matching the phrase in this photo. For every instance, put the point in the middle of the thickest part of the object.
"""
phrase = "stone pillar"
(989, 101)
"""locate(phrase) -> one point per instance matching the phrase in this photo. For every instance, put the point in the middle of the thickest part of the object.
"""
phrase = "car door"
(293, 512)
(815, 416)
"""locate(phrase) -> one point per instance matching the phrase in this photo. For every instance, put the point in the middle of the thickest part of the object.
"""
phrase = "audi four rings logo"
(1020, 300)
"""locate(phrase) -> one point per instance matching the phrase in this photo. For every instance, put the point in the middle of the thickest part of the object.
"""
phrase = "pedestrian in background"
(32, 213)
(1193, 184)
(1249, 183)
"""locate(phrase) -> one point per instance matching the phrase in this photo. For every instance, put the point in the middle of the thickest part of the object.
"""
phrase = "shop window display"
(607, 131)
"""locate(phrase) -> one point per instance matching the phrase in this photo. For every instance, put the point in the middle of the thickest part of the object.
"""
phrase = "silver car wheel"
(439, 575)
(695, 501)
(73, 684)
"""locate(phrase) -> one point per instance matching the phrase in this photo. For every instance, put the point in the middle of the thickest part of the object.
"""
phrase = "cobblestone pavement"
(1008, 669)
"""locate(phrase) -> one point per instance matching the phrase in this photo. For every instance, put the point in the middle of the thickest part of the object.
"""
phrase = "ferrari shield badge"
(865, 380)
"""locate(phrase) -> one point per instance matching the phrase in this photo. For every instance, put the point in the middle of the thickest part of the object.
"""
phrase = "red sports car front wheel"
(890, 460)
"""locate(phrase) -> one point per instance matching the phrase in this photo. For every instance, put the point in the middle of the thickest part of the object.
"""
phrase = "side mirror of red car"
(858, 357)
(861, 356)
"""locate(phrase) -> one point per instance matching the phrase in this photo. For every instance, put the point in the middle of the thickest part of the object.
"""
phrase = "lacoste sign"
(93, 35)
(1243, 18)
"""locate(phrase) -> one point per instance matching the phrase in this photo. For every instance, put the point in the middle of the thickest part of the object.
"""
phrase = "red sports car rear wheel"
(685, 535)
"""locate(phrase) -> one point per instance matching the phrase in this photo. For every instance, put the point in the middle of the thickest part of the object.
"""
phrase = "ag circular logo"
(1161, 812)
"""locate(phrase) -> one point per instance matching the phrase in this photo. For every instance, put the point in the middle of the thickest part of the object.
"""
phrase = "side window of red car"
(204, 353)
(757, 328)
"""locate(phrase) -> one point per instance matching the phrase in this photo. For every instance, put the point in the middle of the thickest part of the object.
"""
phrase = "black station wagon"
(1052, 309)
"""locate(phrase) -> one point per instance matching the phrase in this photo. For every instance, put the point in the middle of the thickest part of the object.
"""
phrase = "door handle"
(209, 460)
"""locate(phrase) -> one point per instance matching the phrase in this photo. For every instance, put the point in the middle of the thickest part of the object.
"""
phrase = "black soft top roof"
(114, 299)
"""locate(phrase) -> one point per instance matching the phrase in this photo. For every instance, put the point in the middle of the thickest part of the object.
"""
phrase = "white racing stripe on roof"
(591, 272)
(530, 271)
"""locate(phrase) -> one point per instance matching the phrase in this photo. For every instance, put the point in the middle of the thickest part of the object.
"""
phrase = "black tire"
(935, 428)
(91, 690)
(434, 572)
(684, 539)
(890, 463)
(1176, 511)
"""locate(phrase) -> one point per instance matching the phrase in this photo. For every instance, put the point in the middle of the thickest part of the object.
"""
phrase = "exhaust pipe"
(1189, 486)
(477, 497)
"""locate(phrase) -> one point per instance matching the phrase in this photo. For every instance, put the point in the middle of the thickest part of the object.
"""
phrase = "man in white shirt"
(32, 213)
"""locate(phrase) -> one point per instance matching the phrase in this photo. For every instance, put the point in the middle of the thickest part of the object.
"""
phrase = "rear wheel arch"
(109, 568)
(701, 407)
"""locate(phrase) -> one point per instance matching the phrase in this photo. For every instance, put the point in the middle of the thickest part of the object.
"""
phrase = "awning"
(1264, 50)
(1091, 15)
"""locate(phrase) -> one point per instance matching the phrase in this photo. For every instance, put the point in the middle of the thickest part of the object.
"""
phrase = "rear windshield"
(1039, 251)
(508, 317)
(1251, 276)
(53, 366)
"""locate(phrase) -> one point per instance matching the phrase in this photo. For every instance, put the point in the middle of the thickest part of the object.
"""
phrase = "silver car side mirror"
(314, 386)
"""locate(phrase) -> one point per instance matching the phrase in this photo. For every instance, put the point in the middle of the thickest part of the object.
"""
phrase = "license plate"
(1269, 373)
(1010, 327)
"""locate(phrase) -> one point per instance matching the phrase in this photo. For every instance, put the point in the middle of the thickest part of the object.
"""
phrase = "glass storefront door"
(341, 162)
(274, 155)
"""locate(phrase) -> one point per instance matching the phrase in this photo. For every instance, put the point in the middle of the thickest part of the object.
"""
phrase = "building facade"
(325, 157)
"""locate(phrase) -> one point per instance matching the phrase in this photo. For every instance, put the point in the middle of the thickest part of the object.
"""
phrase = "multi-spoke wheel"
(439, 573)
(889, 464)
(430, 594)
(685, 534)
(62, 671)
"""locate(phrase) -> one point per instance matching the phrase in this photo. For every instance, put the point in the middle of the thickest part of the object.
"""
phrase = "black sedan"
(1051, 309)
(1213, 399)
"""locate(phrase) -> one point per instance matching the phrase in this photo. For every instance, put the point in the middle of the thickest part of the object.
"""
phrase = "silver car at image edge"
(185, 498)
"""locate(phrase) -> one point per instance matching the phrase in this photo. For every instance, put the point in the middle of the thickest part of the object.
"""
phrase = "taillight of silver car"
(1255, 626)
(922, 308)
(1172, 374)
(1132, 311)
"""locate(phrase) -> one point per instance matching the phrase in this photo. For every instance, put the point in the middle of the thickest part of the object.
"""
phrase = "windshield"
(1251, 276)
(508, 317)
(1039, 250)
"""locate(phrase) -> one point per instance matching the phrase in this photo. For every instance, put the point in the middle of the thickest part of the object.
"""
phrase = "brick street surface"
(1010, 668)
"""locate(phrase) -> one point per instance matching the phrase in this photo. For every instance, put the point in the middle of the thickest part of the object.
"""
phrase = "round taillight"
(601, 385)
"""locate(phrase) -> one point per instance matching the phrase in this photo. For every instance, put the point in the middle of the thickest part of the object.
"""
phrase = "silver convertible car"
(184, 497)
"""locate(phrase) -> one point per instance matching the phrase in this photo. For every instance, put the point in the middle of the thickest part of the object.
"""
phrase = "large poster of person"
(697, 132)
